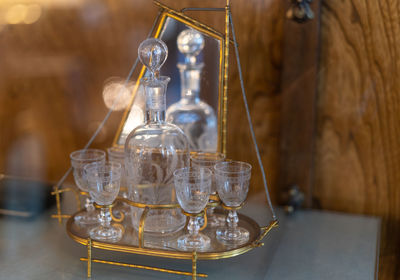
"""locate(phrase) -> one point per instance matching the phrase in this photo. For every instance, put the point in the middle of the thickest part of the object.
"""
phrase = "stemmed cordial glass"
(193, 187)
(78, 160)
(104, 183)
(233, 178)
(208, 160)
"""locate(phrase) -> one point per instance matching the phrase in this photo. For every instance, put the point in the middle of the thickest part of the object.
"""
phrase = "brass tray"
(166, 246)
(145, 244)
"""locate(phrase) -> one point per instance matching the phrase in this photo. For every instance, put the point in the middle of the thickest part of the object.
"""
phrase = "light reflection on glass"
(33, 14)
(23, 14)
(135, 118)
(116, 94)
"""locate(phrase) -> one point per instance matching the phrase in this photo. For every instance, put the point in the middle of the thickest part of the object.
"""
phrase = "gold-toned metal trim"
(115, 219)
(109, 206)
(75, 191)
(56, 216)
(205, 221)
(194, 266)
(58, 203)
(265, 230)
(141, 227)
(193, 214)
(89, 258)
(110, 209)
(215, 199)
(171, 271)
(226, 67)
(201, 214)
(189, 21)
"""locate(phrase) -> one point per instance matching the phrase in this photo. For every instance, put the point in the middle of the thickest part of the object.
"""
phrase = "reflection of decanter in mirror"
(195, 117)
(153, 151)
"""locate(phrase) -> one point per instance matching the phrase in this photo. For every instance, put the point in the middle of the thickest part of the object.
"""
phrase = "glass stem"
(232, 220)
(105, 217)
(193, 226)
(89, 205)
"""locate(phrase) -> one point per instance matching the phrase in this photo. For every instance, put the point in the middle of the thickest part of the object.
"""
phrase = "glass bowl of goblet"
(233, 179)
(104, 183)
(78, 160)
(193, 187)
(208, 160)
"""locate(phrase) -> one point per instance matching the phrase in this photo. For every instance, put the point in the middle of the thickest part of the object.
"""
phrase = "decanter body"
(153, 151)
(195, 117)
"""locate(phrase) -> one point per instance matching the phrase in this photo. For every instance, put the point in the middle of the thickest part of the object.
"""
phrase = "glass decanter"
(195, 117)
(153, 151)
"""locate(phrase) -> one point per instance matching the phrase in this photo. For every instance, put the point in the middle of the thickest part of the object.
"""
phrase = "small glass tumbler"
(208, 160)
(233, 179)
(104, 183)
(117, 154)
(78, 160)
(193, 187)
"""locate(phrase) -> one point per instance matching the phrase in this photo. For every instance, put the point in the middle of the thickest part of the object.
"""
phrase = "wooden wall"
(357, 158)
(51, 78)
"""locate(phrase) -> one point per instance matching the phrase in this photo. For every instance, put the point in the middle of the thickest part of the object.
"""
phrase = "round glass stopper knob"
(190, 42)
(153, 53)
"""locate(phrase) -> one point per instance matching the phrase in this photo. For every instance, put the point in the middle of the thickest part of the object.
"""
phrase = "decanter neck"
(153, 116)
(190, 82)
(155, 90)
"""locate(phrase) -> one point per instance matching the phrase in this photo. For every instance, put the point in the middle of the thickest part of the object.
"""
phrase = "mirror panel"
(202, 121)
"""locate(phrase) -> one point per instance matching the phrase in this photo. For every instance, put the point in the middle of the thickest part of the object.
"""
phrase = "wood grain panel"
(299, 91)
(259, 28)
(358, 142)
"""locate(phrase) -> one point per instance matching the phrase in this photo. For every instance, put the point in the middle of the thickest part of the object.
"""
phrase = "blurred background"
(324, 94)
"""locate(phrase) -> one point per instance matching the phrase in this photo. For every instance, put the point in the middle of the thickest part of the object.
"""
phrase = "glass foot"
(198, 242)
(229, 236)
(214, 220)
(108, 234)
(87, 218)
(159, 223)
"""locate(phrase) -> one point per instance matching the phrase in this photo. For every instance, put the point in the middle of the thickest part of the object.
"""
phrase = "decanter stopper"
(190, 43)
(153, 53)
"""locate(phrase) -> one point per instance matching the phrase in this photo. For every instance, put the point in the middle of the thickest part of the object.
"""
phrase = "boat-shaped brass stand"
(137, 242)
